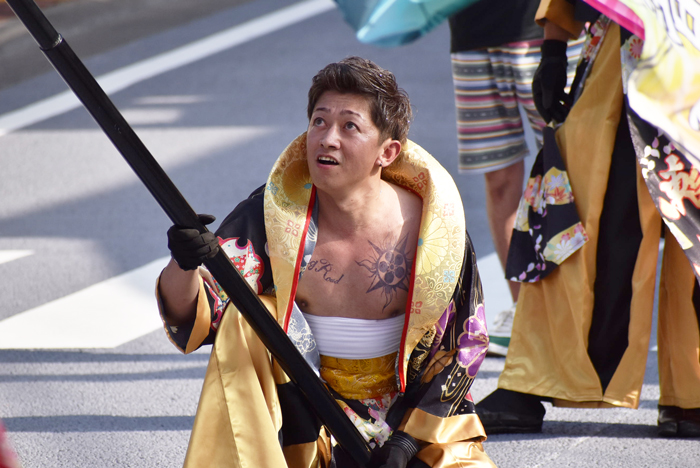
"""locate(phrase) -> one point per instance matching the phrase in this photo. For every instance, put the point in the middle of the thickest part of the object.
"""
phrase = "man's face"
(343, 147)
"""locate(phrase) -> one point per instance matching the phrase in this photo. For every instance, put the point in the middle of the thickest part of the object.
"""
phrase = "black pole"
(108, 117)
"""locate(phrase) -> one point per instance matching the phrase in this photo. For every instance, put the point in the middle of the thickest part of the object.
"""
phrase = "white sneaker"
(499, 335)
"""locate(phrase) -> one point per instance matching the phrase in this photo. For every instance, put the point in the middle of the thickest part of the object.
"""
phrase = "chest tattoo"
(389, 266)
(324, 267)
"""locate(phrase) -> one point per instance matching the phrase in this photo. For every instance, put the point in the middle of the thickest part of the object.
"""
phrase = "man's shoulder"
(410, 203)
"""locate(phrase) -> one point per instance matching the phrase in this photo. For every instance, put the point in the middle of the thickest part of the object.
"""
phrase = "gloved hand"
(395, 453)
(548, 84)
(189, 248)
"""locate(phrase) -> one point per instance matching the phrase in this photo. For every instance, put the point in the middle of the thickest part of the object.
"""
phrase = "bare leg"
(504, 188)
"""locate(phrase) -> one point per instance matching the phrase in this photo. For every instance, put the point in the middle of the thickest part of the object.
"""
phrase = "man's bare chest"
(359, 278)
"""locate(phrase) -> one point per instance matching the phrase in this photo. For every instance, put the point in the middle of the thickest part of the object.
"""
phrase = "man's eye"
(318, 121)
(350, 125)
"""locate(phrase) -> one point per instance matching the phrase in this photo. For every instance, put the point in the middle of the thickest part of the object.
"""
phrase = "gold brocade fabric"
(359, 379)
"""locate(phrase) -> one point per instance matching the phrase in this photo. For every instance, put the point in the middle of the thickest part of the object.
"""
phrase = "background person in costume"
(581, 334)
(495, 49)
(357, 245)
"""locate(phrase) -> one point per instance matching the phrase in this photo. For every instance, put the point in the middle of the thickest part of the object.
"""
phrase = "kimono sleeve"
(242, 236)
(440, 407)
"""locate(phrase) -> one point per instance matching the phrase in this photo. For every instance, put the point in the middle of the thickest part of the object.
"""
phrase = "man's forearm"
(179, 290)
(555, 32)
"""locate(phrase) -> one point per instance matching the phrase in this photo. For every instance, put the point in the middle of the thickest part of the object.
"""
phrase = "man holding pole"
(356, 244)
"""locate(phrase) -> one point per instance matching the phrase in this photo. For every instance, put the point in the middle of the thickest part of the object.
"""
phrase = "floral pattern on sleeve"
(547, 227)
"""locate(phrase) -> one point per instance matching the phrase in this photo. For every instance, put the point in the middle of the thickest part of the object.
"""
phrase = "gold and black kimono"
(250, 414)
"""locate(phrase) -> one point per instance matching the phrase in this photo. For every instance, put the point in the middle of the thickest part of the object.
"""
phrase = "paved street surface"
(215, 89)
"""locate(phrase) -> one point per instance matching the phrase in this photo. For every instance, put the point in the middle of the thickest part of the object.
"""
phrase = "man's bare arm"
(554, 31)
(179, 290)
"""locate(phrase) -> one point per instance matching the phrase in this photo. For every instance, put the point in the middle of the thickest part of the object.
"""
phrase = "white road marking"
(10, 255)
(123, 308)
(124, 77)
(105, 315)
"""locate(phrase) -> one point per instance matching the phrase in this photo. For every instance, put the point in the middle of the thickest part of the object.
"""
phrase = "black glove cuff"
(408, 444)
(184, 267)
(553, 48)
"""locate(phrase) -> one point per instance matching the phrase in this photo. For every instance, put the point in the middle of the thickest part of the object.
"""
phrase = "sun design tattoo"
(389, 268)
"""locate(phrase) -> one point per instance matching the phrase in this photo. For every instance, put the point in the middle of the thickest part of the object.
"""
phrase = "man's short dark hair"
(389, 104)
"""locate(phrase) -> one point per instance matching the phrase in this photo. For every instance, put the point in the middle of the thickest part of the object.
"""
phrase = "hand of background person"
(189, 248)
(549, 82)
(395, 453)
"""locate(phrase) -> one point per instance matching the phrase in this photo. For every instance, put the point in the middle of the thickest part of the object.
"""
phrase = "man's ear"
(391, 150)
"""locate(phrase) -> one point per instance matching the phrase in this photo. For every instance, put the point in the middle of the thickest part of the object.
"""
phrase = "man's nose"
(330, 138)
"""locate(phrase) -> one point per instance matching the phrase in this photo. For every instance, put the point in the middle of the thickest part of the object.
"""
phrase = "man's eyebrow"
(348, 111)
(344, 111)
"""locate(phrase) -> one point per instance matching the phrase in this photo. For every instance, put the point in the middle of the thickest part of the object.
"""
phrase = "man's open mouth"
(325, 160)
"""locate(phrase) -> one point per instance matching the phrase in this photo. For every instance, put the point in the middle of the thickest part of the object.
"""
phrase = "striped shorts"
(489, 84)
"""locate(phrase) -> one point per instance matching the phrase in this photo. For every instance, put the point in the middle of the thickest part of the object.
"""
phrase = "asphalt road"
(86, 377)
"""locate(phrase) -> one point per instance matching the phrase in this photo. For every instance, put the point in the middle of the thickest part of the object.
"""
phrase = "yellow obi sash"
(359, 379)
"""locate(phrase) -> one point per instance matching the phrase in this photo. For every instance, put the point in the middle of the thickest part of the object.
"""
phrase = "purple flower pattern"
(440, 326)
(473, 342)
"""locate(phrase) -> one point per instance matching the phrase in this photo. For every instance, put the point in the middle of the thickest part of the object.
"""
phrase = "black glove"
(548, 84)
(395, 453)
(189, 248)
